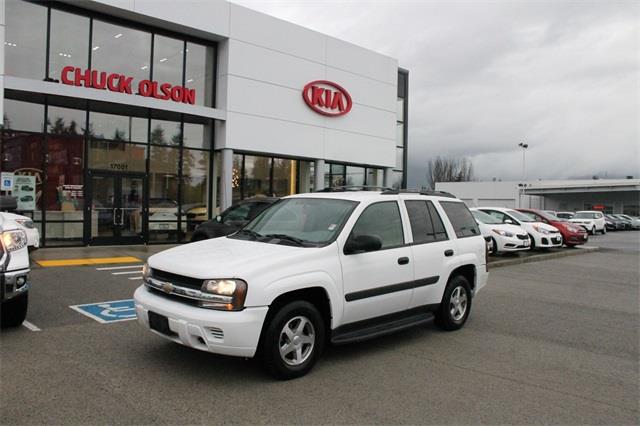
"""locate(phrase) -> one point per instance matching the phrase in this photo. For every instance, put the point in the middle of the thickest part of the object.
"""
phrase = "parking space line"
(136, 278)
(109, 268)
(30, 326)
(88, 261)
(125, 272)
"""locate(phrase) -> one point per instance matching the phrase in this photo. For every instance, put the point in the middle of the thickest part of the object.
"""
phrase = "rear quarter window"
(426, 225)
(461, 219)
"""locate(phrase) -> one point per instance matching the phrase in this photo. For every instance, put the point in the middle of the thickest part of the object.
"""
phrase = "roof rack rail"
(421, 192)
(346, 188)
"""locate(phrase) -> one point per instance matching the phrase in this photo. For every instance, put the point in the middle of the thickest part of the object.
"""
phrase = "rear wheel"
(293, 340)
(456, 304)
(14, 311)
(495, 246)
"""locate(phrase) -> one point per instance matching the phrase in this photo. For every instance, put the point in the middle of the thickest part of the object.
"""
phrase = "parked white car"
(14, 272)
(635, 221)
(591, 220)
(541, 235)
(329, 266)
(26, 224)
(505, 237)
(163, 216)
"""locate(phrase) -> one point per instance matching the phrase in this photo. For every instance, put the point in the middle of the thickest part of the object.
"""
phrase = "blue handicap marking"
(107, 312)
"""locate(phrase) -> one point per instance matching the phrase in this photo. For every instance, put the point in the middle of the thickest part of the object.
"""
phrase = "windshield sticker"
(332, 227)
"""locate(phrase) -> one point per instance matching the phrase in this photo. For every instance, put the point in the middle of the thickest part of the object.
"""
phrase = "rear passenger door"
(379, 282)
(430, 249)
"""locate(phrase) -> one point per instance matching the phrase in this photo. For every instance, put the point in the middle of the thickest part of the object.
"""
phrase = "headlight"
(14, 240)
(231, 292)
(541, 230)
(27, 223)
(145, 272)
(503, 233)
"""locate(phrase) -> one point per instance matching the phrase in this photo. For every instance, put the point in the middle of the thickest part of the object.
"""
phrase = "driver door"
(379, 282)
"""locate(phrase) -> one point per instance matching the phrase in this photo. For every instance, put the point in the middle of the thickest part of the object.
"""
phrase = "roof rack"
(421, 192)
(346, 188)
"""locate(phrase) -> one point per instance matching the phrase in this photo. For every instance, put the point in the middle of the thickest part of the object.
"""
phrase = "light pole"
(524, 147)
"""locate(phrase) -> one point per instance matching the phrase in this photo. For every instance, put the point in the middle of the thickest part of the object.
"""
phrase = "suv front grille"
(522, 236)
(181, 280)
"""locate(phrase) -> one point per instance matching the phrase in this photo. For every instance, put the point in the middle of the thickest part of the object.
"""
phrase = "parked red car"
(572, 235)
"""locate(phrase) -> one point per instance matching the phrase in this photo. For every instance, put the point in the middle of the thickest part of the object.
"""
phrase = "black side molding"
(378, 291)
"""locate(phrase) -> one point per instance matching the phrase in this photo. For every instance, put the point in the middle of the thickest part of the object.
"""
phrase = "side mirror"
(509, 221)
(362, 244)
(219, 219)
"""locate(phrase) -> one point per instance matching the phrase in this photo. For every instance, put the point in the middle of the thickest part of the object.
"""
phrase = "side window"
(239, 213)
(382, 220)
(498, 215)
(461, 219)
(438, 227)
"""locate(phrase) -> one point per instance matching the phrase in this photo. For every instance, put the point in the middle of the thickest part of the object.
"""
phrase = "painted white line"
(30, 326)
(119, 267)
(125, 273)
(136, 278)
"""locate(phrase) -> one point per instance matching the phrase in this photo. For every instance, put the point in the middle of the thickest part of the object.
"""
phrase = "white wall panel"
(366, 120)
(264, 30)
(211, 16)
(360, 149)
(251, 133)
(361, 61)
(365, 91)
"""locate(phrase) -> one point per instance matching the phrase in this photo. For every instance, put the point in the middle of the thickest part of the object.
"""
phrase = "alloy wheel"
(458, 303)
(297, 340)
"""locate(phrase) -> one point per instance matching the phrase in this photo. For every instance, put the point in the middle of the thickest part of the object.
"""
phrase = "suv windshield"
(485, 218)
(520, 216)
(307, 220)
(585, 215)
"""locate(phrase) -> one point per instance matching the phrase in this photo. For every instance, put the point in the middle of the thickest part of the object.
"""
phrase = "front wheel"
(604, 230)
(593, 230)
(456, 304)
(293, 340)
(14, 311)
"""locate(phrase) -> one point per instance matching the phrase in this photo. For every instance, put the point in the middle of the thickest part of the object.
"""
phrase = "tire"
(533, 243)
(604, 230)
(306, 343)
(453, 311)
(14, 311)
(495, 246)
(593, 230)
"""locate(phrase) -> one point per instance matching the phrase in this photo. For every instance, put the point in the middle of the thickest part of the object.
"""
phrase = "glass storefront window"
(284, 177)
(24, 116)
(165, 132)
(118, 127)
(305, 176)
(337, 175)
(199, 72)
(21, 153)
(236, 178)
(117, 156)
(167, 60)
(25, 39)
(355, 176)
(257, 173)
(163, 194)
(69, 42)
(197, 135)
(195, 187)
(374, 177)
(65, 171)
(65, 121)
(396, 179)
(121, 49)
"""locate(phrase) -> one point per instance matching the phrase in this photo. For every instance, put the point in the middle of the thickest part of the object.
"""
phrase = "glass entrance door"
(117, 208)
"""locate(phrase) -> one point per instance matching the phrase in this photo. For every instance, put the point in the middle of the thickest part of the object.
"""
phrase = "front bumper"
(14, 283)
(513, 243)
(548, 240)
(576, 238)
(220, 332)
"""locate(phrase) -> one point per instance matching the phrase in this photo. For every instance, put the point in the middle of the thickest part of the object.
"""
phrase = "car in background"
(14, 272)
(634, 222)
(26, 224)
(572, 235)
(541, 234)
(504, 237)
(163, 216)
(565, 215)
(591, 220)
(232, 219)
(612, 223)
(195, 215)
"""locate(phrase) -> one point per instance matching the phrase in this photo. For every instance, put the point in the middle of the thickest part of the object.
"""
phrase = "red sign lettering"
(327, 98)
(123, 84)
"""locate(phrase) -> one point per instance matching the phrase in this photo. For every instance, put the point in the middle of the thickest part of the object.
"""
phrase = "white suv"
(333, 267)
(592, 221)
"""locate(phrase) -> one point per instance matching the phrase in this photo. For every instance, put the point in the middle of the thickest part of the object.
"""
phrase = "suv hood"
(226, 258)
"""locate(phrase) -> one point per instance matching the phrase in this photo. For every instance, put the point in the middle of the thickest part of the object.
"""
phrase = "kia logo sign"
(327, 98)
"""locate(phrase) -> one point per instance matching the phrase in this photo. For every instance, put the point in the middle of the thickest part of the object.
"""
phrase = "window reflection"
(117, 156)
(165, 132)
(197, 135)
(284, 177)
(163, 195)
(23, 116)
(167, 60)
(25, 39)
(199, 72)
(195, 186)
(69, 42)
(120, 49)
(305, 176)
(257, 171)
(118, 127)
(236, 178)
(355, 176)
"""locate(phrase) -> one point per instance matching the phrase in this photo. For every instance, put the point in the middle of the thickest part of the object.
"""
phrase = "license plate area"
(160, 323)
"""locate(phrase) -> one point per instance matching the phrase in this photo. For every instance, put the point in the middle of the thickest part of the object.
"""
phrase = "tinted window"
(461, 219)
(426, 225)
(382, 220)
(436, 220)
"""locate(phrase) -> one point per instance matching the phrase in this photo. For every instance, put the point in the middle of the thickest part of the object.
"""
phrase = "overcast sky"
(563, 77)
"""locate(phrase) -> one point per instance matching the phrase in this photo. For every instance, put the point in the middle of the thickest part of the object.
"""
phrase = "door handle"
(448, 253)
(403, 260)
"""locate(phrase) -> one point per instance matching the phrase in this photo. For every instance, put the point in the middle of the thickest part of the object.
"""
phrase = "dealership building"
(129, 121)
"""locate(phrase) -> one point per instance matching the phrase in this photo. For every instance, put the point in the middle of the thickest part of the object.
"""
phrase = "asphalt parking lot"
(547, 342)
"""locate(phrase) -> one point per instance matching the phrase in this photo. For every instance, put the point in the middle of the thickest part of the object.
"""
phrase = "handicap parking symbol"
(108, 312)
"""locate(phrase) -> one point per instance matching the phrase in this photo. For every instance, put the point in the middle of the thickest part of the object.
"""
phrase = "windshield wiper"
(249, 232)
(286, 237)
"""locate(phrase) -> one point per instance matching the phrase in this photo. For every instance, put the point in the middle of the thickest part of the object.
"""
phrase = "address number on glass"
(119, 166)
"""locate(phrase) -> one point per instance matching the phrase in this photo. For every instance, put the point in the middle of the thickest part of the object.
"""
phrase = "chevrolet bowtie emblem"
(167, 287)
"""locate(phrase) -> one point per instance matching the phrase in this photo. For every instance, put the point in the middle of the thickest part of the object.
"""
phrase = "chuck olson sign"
(327, 98)
(123, 84)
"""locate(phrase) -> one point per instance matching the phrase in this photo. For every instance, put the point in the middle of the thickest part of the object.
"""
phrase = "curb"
(543, 256)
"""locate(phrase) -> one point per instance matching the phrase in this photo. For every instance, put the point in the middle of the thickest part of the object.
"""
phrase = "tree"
(449, 169)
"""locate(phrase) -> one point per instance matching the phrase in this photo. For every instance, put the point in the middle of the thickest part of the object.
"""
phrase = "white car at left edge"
(26, 224)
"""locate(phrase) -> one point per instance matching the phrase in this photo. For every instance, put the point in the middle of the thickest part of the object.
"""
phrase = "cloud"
(484, 76)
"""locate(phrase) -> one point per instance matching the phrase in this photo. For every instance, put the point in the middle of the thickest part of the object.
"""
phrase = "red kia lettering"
(327, 98)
